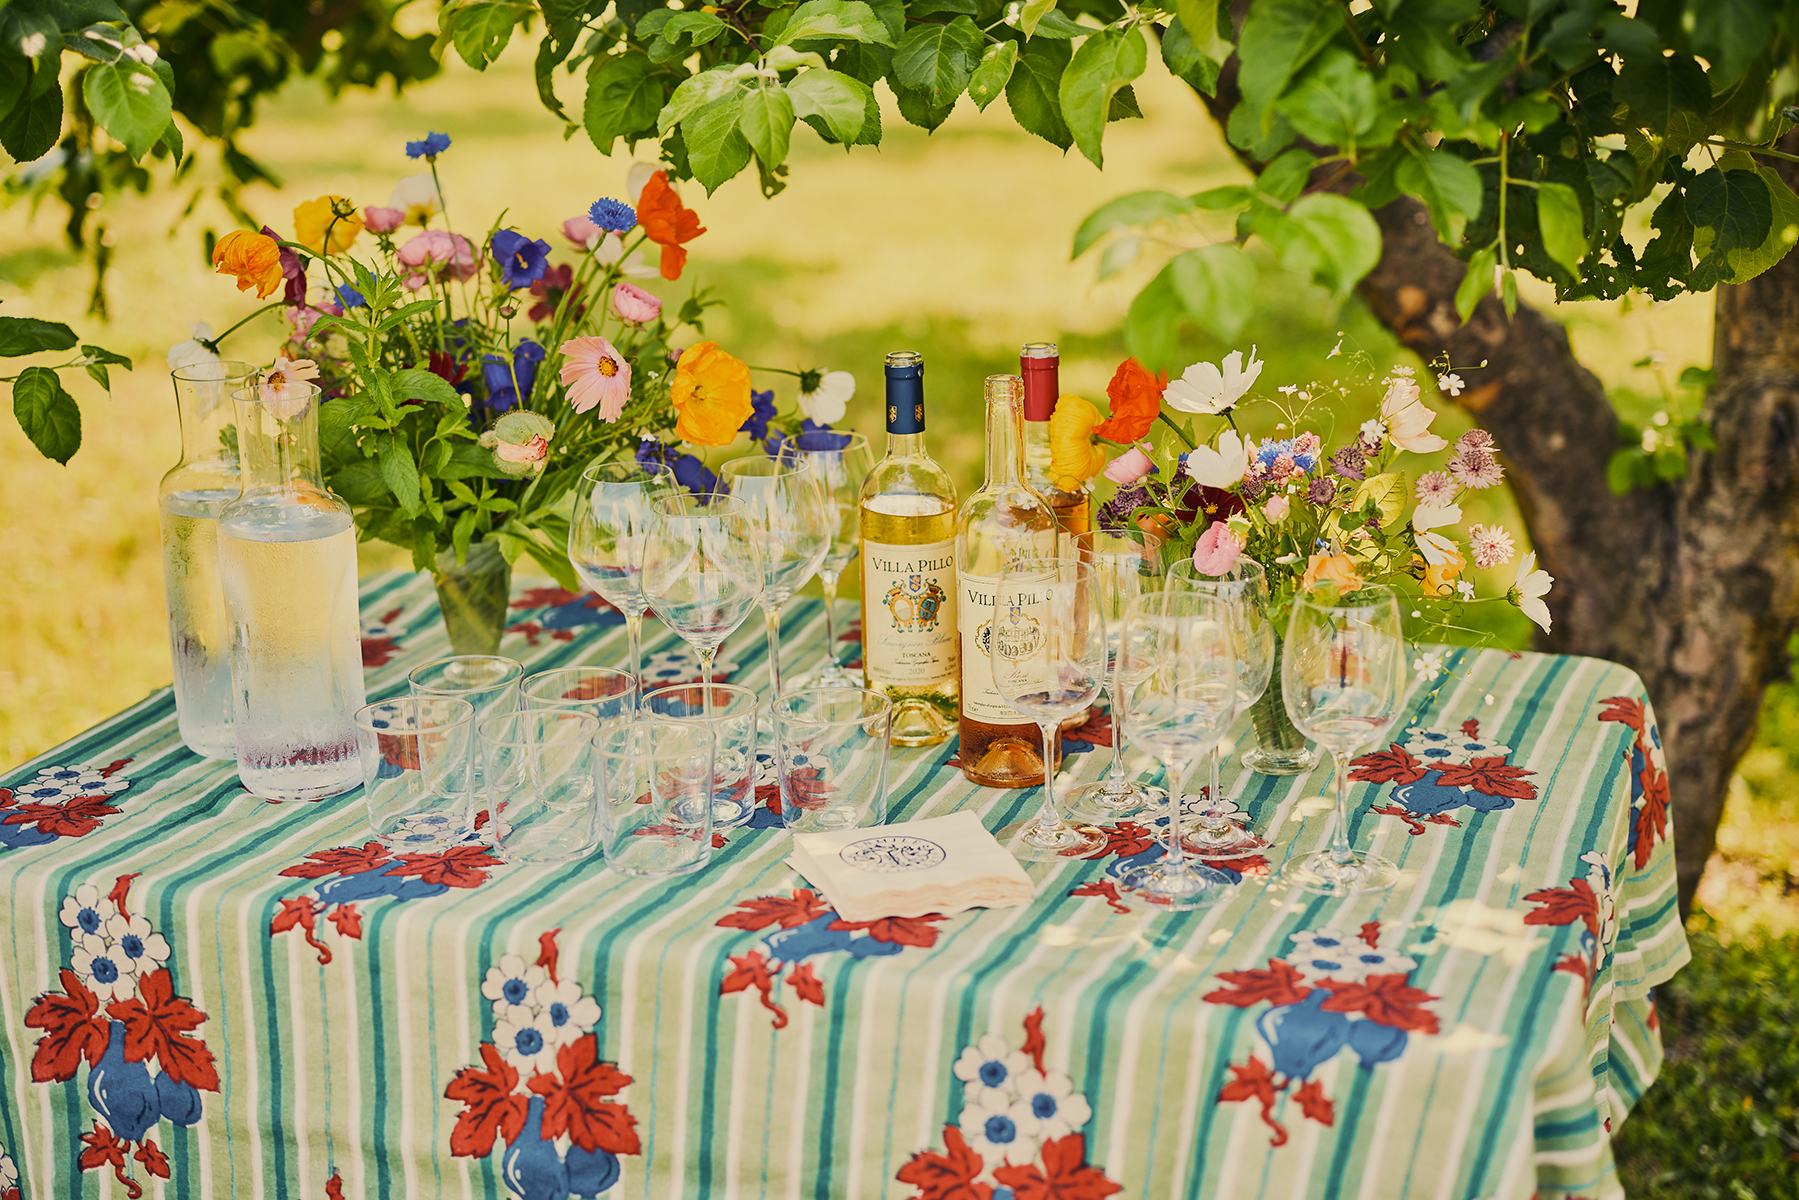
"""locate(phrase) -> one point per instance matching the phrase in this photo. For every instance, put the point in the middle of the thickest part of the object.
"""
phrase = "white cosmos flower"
(570, 1012)
(1532, 585)
(827, 405)
(1408, 419)
(418, 197)
(1203, 388)
(191, 352)
(636, 177)
(1436, 548)
(1052, 1100)
(1220, 468)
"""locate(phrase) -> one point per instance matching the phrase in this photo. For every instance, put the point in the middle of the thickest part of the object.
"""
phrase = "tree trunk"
(1693, 585)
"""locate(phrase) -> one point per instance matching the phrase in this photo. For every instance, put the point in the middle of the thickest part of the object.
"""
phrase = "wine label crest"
(912, 611)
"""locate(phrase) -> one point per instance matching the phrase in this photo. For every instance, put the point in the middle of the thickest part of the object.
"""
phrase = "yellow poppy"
(1073, 458)
(314, 217)
(254, 258)
(711, 391)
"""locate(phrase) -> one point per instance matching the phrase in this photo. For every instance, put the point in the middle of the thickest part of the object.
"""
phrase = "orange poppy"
(711, 391)
(668, 223)
(254, 258)
(1136, 396)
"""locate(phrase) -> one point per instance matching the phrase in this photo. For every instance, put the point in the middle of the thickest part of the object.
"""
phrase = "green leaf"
(1214, 285)
(415, 383)
(1333, 103)
(480, 31)
(95, 361)
(836, 100)
(693, 94)
(846, 19)
(1286, 176)
(1745, 263)
(767, 123)
(1034, 91)
(31, 129)
(1735, 205)
(1031, 14)
(703, 27)
(554, 562)
(1508, 293)
(1152, 328)
(1559, 221)
(1477, 283)
(15, 76)
(1230, 195)
(990, 78)
(1199, 21)
(716, 149)
(1137, 208)
(47, 414)
(28, 335)
(925, 8)
(171, 141)
(916, 107)
(1449, 187)
(1185, 61)
(938, 60)
(130, 101)
(1106, 61)
(786, 58)
(1279, 39)
(544, 70)
(401, 474)
(1659, 87)
(1341, 242)
(1057, 24)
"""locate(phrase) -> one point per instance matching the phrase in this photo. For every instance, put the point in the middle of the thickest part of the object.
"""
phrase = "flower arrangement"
(469, 381)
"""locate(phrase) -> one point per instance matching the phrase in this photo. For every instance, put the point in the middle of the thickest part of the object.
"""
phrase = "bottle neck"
(1005, 448)
(905, 445)
(203, 403)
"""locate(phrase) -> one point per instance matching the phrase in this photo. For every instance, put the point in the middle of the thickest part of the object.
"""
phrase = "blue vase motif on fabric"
(589, 1174)
(531, 1167)
(179, 1102)
(1303, 1036)
(122, 1091)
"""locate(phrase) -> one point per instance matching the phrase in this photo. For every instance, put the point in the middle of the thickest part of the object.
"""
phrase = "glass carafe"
(190, 499)
(287, 562)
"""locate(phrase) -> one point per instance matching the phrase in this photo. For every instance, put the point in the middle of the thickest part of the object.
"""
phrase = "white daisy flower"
(827, 404)
(87, 911)
(570, 1012)
(193, 352)
(53, 785)
(527, 1040)
(138, 941)
(511, 986)
(108, 971)
(1057, 1107)
(999, 1128)
(990, 1065)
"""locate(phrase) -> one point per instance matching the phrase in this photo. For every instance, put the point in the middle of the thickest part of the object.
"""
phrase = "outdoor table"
(205, 994)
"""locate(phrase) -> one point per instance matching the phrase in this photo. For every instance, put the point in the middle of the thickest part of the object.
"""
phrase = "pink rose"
(382, 220)
(1129, 467)
(532, 451)
(1276, 508)
(449, 254)
(1217, 550)
(581, 232)
(635, 305)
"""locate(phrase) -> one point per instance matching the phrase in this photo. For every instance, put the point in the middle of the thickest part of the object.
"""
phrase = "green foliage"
(1656, 435)
(44, 409)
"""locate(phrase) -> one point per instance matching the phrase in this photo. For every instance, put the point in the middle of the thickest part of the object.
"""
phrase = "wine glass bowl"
(615, 504)
(701, 569)
(1126, 563)
(840, 461)
(790, 525)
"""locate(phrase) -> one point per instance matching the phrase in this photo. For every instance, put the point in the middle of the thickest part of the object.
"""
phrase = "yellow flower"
(1330, 568)
(312, 218)
(253, 257)
(1439, 578)
(712, 393)
(1073, 458)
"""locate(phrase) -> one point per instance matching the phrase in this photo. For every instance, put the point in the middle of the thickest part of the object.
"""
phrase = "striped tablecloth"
(202, 994)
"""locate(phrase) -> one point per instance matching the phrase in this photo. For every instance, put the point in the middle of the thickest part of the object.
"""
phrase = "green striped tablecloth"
(206, 995)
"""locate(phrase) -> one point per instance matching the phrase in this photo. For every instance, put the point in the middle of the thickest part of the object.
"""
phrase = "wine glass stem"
(1171, 837)
(1115, 782)
(706, 653)
(1340, 852)
(774, 646)
(1049, 821)
(828, 582)
(634, 638)
(1212, 824)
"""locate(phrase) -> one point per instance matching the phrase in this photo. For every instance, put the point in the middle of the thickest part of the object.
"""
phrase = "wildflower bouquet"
(469, 382)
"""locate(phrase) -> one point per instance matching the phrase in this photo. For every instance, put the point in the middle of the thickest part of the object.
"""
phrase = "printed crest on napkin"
(942, 865)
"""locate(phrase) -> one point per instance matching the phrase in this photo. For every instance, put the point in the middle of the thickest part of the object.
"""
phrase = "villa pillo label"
(911, 604)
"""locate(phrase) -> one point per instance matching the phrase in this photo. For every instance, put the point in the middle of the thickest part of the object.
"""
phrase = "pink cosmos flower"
(635, 305)
(1129, 467)
(1276, 508)
(595, 373)
(1217, 550)
(1492, 546)
(530, 452)
(1476, 468)
(449, 255)
(1434, 487)
(582, 233)
(376, 219)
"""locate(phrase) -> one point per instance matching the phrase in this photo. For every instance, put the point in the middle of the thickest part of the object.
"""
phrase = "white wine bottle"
(908, 523)
(1001, 747)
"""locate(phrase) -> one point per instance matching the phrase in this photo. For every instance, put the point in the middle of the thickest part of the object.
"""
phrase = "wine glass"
(1047, 647)
(1244, 591)
(614, 505)
(1177, 646)
(791, 528)
(1126, 563)
(701, 569)
(841, 462)
(1343, 679)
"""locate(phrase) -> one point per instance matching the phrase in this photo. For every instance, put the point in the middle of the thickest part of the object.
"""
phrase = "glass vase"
(1280, 749)
(473, 595)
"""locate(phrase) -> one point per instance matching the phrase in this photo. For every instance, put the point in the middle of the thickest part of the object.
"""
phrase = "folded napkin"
(940, 865)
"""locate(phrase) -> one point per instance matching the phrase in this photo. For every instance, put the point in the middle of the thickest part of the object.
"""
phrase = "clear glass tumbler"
(603, 692)
(730, 713)
(655, 796)
(831, 755)
(415, 753)
(541, 800)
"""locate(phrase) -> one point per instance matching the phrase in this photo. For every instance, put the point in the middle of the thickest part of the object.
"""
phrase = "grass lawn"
(955, 244)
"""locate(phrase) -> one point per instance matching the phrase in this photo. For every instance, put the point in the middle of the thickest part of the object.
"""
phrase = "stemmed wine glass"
(701, 570)
(1177, 645)
(1244, 591)
(841, 461)
(790, 525)
(1126, 563)
(614, 506)
(1343, 679)
(1048, 652)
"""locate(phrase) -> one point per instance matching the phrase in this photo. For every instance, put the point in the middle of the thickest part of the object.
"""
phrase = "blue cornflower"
(691, 473)
(433, 145)
(522, 260)
(1270, 450)
(762, 411)
(499, 375)
(349, 297)
(813, 436)
(613, 216)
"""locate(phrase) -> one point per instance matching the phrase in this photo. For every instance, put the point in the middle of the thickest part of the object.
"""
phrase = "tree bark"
(1694, 585)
